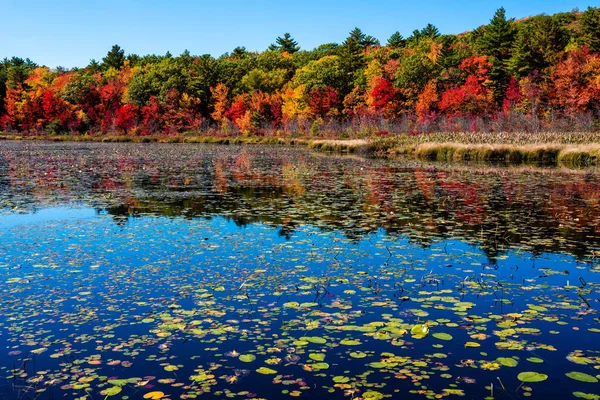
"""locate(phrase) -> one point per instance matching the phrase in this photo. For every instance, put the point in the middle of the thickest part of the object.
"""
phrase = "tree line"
(540, 72)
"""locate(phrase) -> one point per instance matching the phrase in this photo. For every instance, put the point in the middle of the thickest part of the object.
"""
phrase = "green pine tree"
(430, 31)
(396, 41)
(352, 61)
(115, 58)
(285, 43)
(496, 42)
(362, 39)
(590, 27)
(539, 42)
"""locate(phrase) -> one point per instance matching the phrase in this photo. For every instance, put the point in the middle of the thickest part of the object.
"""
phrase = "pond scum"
(161, 272)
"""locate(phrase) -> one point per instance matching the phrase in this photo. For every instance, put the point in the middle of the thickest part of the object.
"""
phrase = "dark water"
(181, 271)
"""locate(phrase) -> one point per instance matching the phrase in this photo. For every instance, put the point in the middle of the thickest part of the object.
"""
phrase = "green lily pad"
(341, 379)
(587, 396)
(118, 382)
(314, 339)
(419, 331)
(507, 362)
(581, 377)
(530, 377)
(320, 365)
(372, 395)
(317, 356)
(440, 335)
(266, 371)
(535, 360)
(111, 391)
(247, 357)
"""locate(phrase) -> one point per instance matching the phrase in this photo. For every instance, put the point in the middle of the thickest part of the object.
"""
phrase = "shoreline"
(573, 154)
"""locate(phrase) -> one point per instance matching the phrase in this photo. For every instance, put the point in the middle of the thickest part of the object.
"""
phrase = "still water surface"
(176, 271)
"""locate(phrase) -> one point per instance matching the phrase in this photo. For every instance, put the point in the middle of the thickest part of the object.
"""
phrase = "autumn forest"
(540, 73)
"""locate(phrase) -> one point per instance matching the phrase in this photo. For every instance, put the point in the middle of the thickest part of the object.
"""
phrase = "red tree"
(322, 101)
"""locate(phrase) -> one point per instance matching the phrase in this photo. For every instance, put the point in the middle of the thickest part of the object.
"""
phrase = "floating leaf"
(154, 395)
(535, 360)
(530, 377)
(314, 339)
(111, 391)
(266, 371)
(419, 331)
(350, 342)
(441, 336)
(341, 379)
(247, 358)
(118, 382)
(358, 354)
(507, 362)
(581, 377)
(587, 396)
(320, 366)
(372, 395)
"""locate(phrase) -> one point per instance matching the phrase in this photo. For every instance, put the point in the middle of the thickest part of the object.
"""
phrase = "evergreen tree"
(362, 39)
(352, 60)
(430, 31)
(396, 41)
(239, 53)
(115, 58)
(285, 43)
(590, 27)
(496, 42)
(539, 42)
(93, 66)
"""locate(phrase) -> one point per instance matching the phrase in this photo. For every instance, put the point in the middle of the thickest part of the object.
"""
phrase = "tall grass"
(561, 154)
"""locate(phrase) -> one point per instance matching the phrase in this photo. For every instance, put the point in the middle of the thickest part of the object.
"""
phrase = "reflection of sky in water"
(45, 215)
(147, 264)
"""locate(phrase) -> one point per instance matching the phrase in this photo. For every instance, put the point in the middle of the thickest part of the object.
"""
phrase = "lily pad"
(266, 371)
(441, 336)
(320, 366)
(341, 379)
(419, 331)
(535, 360)
(247, 358)
(587, 396)
(507, 361)
(582, 377)
(111, 391)
(154, 395)
(531, 377)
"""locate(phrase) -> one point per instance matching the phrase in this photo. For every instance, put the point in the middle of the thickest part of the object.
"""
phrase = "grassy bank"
(562, 154)
(551, 148)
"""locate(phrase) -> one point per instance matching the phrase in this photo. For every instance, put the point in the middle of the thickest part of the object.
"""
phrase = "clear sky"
(71, 32)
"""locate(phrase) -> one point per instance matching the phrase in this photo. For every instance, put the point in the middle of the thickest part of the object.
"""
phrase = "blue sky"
(71, 32)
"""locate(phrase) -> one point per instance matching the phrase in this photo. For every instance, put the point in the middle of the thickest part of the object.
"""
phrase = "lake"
(156, 271)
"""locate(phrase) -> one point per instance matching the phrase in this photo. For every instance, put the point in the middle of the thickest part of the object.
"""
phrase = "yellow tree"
(220, 102)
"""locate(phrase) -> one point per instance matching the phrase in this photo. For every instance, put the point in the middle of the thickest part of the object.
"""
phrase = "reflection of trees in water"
(496, 210)
(4, 178)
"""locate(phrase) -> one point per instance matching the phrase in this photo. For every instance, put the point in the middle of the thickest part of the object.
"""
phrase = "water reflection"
(495, 209)
(127, 272)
